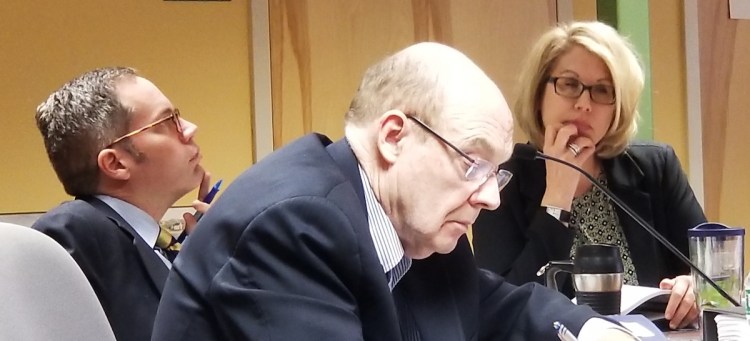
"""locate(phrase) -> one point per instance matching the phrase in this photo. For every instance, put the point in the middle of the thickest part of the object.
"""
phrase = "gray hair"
(402, 82)
(79, 120)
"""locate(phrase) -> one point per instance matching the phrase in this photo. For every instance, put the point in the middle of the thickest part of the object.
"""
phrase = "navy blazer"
(518, 238)
(126, 274)
(286, 254)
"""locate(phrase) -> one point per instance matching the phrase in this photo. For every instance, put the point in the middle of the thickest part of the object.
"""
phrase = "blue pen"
(209, 198)
(563, 333)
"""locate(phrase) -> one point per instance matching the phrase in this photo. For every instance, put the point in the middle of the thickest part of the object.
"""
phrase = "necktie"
(409, 330)
(167, 244)
(408, 325)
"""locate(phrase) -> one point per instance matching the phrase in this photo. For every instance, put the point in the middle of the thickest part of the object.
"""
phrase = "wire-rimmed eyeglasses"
(174, 116)
(479, 169)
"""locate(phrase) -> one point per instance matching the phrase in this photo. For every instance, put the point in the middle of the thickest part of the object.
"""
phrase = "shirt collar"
(140, 221)
(387, 245)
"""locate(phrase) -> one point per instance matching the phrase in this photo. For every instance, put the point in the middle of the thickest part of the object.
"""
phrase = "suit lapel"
(154, 266)
(626, 180)
(342, 154)
(532, 185)
(378, 313)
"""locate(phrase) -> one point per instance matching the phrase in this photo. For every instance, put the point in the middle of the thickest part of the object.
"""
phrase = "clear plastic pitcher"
(717, 250)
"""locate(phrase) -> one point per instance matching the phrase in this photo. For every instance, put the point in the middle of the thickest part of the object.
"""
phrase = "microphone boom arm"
(643, 224)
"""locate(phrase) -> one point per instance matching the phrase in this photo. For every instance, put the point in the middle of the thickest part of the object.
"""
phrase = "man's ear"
(391, 133)
(114, 163)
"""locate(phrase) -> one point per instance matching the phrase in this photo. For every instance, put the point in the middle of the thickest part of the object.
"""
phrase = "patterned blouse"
(595, 221)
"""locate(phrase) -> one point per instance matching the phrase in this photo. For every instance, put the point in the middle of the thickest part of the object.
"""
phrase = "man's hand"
(198, 205)
(681, 308)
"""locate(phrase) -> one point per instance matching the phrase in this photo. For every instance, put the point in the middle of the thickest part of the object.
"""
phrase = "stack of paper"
(637, 300)
(732, 328)
(640, 299)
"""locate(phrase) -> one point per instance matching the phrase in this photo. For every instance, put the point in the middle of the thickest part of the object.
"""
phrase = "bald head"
(425, 79)
(439, 57)
(413, 80)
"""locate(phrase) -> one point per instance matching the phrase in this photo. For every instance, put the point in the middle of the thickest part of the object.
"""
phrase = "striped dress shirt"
(390, 253)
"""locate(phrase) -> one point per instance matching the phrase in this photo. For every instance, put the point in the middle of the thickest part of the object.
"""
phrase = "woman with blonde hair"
(578, 102)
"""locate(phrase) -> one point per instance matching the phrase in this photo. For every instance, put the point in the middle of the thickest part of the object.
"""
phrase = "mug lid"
(597, 259)
(715, 230)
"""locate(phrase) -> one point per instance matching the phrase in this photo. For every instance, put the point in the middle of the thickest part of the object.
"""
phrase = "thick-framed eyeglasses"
(174, 116)
(479, 170)
(572, 88)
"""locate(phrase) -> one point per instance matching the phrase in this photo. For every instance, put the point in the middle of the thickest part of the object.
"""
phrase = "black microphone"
(529, 152)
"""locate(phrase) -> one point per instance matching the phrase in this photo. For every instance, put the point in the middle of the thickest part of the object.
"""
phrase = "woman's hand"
(682, 309)
(562, 180)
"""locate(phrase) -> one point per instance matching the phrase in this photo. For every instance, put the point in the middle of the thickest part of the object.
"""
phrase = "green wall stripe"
(630, 18)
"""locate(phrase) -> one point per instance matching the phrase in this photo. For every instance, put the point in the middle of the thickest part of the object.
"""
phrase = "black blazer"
(286, 254)
(126, 274)
(518, 238)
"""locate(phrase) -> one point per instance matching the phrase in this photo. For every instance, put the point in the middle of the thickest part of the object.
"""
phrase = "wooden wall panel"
(734, 185)
(584, 9)
(319, 52)
(497, 35)
(716, 39)
(196, 52)
(724, 45)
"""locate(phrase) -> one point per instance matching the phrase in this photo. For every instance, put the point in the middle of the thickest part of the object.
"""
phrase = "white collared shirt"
(140, 221)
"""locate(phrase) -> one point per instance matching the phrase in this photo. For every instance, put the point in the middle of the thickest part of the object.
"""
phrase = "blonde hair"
(621, 60)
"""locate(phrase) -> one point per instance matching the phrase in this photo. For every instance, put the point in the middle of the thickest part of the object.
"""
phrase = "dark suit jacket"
(286, 254)
(126, 274)
(518, 238)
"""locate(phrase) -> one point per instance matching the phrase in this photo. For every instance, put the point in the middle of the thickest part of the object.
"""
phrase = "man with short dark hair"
(121, 148)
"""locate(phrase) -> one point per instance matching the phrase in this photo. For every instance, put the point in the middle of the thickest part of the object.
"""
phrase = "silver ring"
(574, 148)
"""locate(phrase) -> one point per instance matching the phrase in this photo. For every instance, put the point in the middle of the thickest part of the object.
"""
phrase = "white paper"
(634, 296)
(730, 328)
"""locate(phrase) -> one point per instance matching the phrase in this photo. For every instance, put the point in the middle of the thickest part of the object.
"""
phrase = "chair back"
(44, 295)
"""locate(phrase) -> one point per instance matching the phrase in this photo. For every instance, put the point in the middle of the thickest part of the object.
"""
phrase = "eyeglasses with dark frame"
(174, 116)
(572, 88)
(478, 169)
